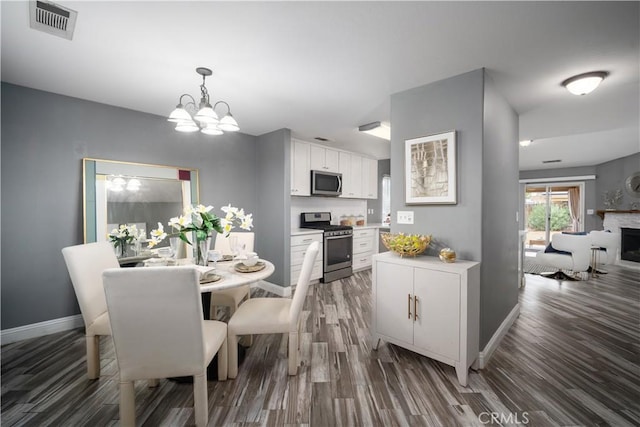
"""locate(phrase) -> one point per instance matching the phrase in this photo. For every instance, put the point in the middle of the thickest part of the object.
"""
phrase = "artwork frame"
(430, 169)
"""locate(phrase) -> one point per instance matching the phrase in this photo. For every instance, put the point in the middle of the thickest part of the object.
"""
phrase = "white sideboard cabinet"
(428, 306)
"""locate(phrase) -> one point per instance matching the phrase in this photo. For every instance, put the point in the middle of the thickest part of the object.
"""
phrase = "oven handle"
(339, 237)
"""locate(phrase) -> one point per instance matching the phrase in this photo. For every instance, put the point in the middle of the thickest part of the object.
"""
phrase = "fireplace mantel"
(602, 213)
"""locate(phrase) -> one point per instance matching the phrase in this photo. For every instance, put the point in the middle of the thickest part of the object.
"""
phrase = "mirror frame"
(94, 208)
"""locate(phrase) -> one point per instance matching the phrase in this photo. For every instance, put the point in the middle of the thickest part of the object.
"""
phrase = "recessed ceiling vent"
(52, 18)
(552, 161)
(320, 138)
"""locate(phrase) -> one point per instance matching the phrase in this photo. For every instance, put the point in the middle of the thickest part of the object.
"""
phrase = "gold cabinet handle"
(415, 308)
(409, 306)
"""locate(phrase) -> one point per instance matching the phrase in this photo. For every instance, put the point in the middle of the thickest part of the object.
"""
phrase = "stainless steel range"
(338, 244)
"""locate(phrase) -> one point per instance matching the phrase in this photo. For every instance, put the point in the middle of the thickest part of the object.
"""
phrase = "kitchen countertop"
(301, 231)
(371, 225)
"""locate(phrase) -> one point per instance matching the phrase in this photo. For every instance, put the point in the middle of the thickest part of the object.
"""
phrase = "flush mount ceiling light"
(583, 84)
(378, 129)
(526, 142)
(204, 118)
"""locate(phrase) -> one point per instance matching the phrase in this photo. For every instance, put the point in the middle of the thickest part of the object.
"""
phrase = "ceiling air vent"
(552, 161)
(319, 138)
(52, 18)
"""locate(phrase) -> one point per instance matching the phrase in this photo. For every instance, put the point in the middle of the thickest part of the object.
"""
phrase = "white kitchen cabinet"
(324, 159)
(299, 245)
(363, 248)
(300, 169)
(350, 166)
(429, 307)
(369, 178)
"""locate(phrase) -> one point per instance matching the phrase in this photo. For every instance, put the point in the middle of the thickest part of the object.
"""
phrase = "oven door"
(337, 252)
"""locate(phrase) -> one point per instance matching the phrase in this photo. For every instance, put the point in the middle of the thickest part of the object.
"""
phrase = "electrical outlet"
(405, 217)
(589, 211)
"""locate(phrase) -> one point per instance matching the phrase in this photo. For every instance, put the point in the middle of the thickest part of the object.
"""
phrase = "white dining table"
(232, 278)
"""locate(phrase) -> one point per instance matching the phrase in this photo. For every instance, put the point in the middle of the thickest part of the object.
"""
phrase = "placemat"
(209, 278)
(241, 268)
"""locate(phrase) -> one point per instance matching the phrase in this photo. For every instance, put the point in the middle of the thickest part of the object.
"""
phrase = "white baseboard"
(284, 292)
(494, 342)
(34, 330)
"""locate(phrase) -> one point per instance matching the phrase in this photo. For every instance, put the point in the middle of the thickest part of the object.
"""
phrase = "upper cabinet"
(300, 170)
(324, 159)
(369, 178)
(350, 166)
(359, 174)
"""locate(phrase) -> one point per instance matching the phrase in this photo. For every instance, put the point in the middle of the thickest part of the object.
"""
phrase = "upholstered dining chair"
(272, 316)
(159, 332)
(85, 264)
(231, 297)
(568, 252)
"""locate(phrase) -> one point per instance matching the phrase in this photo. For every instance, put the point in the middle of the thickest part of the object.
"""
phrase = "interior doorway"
(551, 208)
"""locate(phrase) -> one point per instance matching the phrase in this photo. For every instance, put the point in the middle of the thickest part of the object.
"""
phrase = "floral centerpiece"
(124, 235)
(201, 221)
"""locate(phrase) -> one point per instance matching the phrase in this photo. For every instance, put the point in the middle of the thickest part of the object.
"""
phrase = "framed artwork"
(430, 169)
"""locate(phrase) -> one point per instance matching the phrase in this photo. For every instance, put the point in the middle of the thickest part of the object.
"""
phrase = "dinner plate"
(241, 268)
(209, 277)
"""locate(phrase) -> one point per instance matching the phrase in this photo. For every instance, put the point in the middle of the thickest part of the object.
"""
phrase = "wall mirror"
(133, 193)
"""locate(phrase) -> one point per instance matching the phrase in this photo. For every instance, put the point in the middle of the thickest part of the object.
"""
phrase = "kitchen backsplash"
(338, 207)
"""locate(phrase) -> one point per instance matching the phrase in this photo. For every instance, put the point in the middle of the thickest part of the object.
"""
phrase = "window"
(386, 199)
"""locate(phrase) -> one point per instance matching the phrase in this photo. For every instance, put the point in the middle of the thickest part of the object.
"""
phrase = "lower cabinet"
(299, 245)
(363, 248)
(429, 307)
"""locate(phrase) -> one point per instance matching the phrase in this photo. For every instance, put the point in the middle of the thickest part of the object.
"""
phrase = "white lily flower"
(203, 209)
(229, 209)
(247, 222)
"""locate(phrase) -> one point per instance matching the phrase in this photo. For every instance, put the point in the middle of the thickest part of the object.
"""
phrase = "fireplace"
(630, 245)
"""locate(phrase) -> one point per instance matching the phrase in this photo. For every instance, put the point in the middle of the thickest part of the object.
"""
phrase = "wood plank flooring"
(571, 358)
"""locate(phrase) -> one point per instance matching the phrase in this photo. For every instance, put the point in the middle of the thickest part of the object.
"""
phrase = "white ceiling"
(324, 68)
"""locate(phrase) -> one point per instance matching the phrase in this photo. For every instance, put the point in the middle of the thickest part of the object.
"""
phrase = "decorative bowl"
(447, 255)
(406, 244)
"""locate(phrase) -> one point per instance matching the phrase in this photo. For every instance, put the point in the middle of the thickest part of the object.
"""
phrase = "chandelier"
(189, 118)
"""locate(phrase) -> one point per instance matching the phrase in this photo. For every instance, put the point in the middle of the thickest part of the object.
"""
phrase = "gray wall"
(450, 104)
(44, 138)
(273, 184)
(384, 168)
(458, 104)
(612, 176)
(499, 272)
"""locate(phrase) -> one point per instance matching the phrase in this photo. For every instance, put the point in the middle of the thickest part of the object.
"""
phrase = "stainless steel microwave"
(326, 183)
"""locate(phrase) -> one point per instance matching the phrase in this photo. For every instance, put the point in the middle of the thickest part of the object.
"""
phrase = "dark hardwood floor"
(571, 358)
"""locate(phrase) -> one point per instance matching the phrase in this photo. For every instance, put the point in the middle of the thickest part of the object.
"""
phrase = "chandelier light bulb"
(212, 129)
(187, 127)
(228, 124)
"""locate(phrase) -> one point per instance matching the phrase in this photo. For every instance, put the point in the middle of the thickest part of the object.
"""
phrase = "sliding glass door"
(552, 208)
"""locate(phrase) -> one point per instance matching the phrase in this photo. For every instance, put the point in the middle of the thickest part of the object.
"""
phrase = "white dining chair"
(159, 332)
(85, 264)
(272, 316)
(233, 297)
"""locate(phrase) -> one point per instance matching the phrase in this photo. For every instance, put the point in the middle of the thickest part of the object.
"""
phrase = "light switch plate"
(589, 211)
(405, 217)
